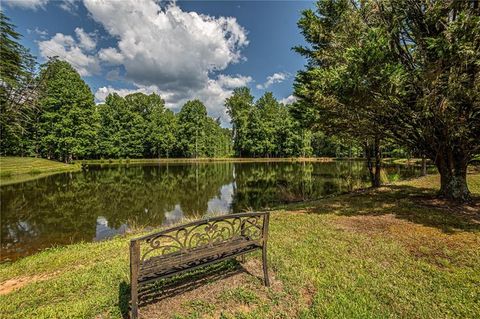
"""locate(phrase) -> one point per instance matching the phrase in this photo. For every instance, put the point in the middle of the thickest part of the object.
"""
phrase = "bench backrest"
(205, 232)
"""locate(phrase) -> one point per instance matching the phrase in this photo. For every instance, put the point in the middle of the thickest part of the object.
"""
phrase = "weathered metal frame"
(194, 245)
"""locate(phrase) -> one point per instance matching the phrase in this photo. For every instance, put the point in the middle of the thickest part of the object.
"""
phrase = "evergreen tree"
(402, 69)
(17, 97)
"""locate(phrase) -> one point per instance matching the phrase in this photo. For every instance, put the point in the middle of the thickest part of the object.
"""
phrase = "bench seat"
(175, 263)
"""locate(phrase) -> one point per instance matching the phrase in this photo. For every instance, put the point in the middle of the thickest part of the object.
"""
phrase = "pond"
(106, 200)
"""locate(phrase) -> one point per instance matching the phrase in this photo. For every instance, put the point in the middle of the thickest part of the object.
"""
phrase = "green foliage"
(66, 125)
(139, 125)
(161, 132)
(265, 128)
(406, 70)
(200, 135)
(16, 82)
(192, 122)
(58, 119)
(122, 129)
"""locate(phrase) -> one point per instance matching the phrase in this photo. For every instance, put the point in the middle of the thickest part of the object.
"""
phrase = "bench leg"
(134, 303)
(134, 266)
(265, 270)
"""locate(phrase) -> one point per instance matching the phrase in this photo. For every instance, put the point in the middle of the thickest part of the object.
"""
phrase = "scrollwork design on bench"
(203, 233)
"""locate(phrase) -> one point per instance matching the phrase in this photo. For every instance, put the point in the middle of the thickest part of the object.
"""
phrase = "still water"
(103, 201)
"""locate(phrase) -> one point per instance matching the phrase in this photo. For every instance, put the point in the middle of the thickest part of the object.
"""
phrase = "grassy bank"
(394, 252)
(19, 169)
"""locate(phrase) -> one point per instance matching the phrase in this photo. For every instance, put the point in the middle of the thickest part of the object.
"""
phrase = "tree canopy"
(406, 70)
(265, 128)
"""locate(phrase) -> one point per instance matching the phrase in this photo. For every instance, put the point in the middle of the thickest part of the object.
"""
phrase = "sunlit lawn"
(395, 252)
(19, 169)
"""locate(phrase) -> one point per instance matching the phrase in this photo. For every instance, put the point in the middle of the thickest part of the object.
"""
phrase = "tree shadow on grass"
(171, 287)
(414, 204)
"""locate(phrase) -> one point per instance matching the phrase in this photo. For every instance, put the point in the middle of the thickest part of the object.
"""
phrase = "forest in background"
(53, 115)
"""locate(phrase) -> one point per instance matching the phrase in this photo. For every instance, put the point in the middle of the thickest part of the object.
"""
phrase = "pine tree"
(17, 105)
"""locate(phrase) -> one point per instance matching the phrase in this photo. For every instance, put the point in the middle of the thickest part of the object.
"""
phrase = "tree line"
(53, 114)
(65, 124)
(265, 128)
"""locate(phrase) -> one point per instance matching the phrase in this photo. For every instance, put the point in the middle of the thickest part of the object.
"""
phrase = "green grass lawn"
(395, 252)
(18, 169)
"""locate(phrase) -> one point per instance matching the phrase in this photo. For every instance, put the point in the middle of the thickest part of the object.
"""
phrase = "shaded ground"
(394, 252)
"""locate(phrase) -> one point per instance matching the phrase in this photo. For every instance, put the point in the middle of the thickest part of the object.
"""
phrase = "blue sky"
(180, 50)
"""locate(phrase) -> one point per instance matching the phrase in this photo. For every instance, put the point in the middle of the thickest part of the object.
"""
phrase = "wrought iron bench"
(193, 245)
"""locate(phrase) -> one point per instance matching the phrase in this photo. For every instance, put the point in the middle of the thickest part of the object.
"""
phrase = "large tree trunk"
(375, 176)
(378, 163)
(453, 176)
(424, 166)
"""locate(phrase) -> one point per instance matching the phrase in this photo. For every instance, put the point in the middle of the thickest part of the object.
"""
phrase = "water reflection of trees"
(261, 184)
(64, 208)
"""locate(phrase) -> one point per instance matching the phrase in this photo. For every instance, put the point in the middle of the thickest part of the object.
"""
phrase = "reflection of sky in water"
(216, 206)
(173, 216)
(221, 204)
(103, 231)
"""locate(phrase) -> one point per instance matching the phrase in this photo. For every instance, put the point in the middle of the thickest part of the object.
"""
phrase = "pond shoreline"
(22, 169)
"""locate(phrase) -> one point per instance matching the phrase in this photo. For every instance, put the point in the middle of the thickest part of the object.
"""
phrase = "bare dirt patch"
(238, 290)
(10, 285)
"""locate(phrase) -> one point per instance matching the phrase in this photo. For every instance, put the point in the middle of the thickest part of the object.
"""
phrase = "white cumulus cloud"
(73, 51)
(103, 92)
(272, 79)
(41, 33)
(85, 40)
(176, 52)
(232, 82)
(110, 56)
(167, 47)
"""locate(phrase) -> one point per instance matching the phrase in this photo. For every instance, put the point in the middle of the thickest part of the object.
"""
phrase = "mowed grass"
(395, 252)
(18, 169)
